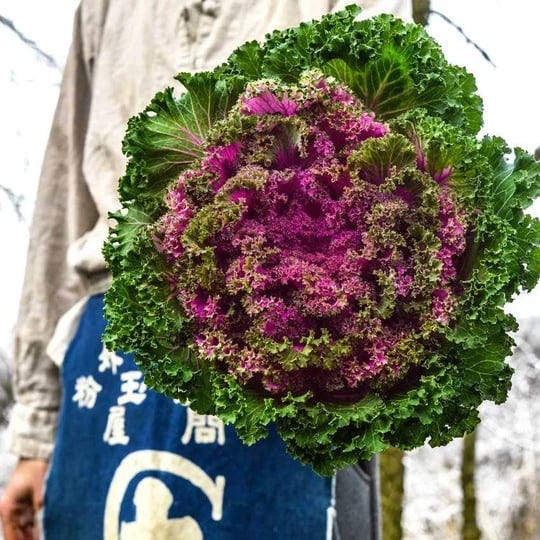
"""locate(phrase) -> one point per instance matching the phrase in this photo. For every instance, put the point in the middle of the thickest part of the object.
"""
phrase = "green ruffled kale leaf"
(401, 75)
(391, 66)
(169, 134)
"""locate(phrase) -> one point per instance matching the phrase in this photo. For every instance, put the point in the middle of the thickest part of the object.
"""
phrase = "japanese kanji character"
(205, 428)
(86, 391)
(109, 360)
(115, 431)
(133, 389)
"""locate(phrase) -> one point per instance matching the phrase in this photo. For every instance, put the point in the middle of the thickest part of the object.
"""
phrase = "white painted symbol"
(86, 391)
(133, 388)
(151, 519)
(115, 431)
(204, 428)
(153, 499)
(109, 360)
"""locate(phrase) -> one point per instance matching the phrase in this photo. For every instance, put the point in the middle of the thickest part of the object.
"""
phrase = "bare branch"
(6, 391)
(14, 199)
(462, 32)
(51, 62)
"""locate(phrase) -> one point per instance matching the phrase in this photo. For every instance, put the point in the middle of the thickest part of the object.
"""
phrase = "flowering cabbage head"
(313, 236)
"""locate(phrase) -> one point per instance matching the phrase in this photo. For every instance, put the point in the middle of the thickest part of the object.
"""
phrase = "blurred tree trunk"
(392, 473)
(470, 530)
(524, 520)
(421, 11)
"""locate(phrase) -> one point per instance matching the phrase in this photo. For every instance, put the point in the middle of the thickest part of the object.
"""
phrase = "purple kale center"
(308, 256)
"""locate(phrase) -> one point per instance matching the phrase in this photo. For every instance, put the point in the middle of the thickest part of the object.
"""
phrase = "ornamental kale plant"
(313, 236)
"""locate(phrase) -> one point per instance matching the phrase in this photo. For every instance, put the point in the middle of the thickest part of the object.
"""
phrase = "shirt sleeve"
(63, 212)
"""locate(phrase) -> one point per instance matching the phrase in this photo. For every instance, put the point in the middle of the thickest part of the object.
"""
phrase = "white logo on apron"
(153, 499)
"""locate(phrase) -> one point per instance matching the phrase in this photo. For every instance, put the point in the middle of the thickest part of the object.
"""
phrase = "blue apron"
(131, 464)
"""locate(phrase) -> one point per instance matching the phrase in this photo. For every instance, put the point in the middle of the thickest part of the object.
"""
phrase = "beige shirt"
(123, 52)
